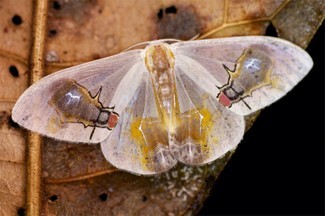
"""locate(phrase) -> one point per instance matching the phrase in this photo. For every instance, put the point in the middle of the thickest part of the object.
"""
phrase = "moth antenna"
(197, 36)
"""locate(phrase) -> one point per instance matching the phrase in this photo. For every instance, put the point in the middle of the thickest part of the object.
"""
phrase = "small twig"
(34, 141)
(79, 178)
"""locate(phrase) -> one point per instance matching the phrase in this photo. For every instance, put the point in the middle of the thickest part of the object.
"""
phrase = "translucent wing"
(203, 129)
(207, 130)
(76, 104)
(246, 73)
(139, 142)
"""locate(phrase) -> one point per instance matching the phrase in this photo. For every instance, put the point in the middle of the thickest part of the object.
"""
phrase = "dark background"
(278, 169)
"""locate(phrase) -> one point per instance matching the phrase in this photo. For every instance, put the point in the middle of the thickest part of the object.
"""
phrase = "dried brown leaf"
(299, 20)
(12, 143)
(78, 31)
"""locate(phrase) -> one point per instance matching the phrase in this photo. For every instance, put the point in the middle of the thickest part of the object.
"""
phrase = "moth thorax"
(159, 58)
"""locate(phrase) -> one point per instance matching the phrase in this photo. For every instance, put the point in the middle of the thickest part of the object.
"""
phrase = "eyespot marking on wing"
(252, 71)
(73, 103)
(190, 136)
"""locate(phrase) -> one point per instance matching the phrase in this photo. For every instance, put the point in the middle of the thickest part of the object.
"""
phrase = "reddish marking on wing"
(112, 121)
(224, 100)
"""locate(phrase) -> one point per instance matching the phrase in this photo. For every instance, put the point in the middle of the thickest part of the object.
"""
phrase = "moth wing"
(207, 130)
(44, 106)
(139, 142)
(262, 69)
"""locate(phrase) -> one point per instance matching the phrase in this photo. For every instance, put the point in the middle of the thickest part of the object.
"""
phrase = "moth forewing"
(45, 107)
(252, 72)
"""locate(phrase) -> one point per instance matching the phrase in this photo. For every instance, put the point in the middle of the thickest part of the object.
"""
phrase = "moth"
(164, 101)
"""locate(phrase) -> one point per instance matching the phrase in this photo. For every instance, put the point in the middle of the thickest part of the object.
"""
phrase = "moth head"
(158, 57)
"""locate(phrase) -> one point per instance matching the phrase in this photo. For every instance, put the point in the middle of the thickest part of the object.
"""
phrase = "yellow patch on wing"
(277, 83)
(148, 133)
(194, 125)
(53, 125)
